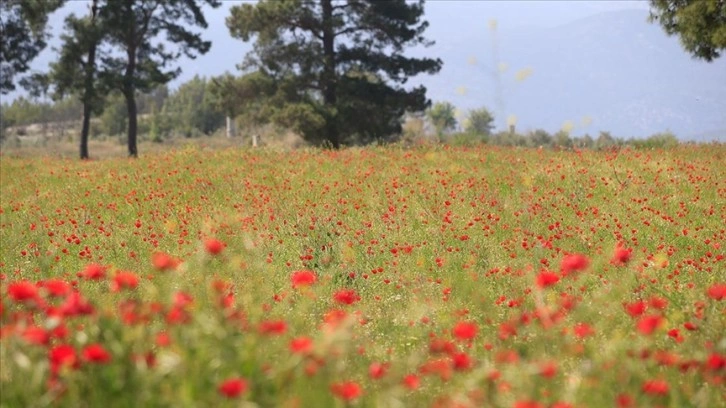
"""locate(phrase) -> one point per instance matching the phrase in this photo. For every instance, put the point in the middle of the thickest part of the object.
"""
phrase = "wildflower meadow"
(373, 277)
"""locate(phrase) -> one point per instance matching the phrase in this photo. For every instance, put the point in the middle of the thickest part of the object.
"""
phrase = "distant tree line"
(197, 109)
(476, 127)
(188, 111)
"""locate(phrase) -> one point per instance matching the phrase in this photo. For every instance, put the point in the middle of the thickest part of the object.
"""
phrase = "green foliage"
(75, 71)
(252, 96)
(665, 140)
(152, 101)
(23, 111)
(443, 117)
(154, 128)
(584, 142)
(345, 60)
(605, 140)
(480, 122)
(700, 24)
(466, 139)
(22, 30)
(539, 138)
(562, 139)
(225, 94)
(191, 110)
(114, 117)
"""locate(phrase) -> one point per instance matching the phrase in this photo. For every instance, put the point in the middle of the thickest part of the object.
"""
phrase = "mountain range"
(612, 71)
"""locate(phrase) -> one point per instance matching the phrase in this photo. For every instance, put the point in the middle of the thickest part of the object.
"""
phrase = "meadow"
(376, 277)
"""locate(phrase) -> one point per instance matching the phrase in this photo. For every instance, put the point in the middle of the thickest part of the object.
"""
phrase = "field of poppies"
(446, 277)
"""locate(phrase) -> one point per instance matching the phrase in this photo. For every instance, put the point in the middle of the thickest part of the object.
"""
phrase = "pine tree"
(23, 36)
(76, 70)
(337, 66)
(133, 26)
(700, 24)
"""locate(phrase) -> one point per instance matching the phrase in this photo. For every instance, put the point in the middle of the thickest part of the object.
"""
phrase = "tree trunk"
(329, 79)
(133, 125)
(130, 95)
(85, 130)
(129, 86)
(88, 88)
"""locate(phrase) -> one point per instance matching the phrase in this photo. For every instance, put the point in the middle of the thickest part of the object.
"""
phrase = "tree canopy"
(23, 33)
(75, 71)
(443, 117)
(336, 69)
(133, 28)
(700, 24)
(480, 121)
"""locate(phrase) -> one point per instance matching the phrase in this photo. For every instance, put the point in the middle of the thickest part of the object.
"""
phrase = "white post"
(230, 127)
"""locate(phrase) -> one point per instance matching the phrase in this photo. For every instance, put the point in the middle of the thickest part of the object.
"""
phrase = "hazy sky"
(447, 18)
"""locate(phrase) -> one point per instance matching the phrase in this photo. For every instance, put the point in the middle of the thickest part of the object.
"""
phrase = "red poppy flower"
(93, 272)
(124, 280)
(716, 362)
(164, 262)
(76, 305)
(163, 339)
(233, 387)
(655, 387)
(462, 361)
(213, 246)
(548, 369)
(441, 366)
(182, 299)
(95, 353)
(465, 330)
(62, 355)
(36, 335)
(334, 318)
(22, 291)
(377, 370)
(301, 345)
(528, 404)
(624, 401)
(675, 334)
(583, 330)
(302, 278)
(648, 324)
(621, 256)
(346, 296)
(717, 291)
(441, 346)
(411, 381)
(574, 263)
(636, 308)
(57, 287)
(547, 278)
(347, 391)
(273, 327)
